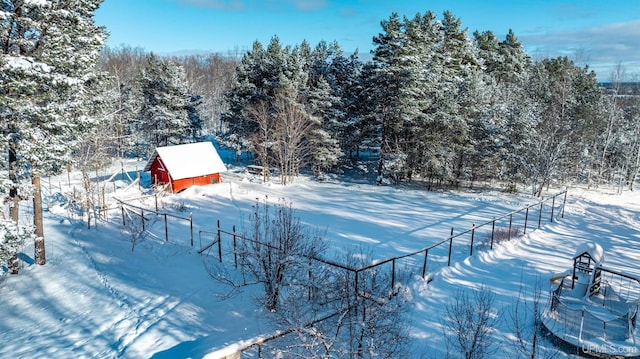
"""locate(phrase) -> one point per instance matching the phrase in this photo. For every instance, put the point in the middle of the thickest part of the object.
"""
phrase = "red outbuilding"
(183, 166)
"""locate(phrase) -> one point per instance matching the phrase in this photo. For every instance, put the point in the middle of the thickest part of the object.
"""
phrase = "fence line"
(424, 251)
(421, 252)
(472, 231)
(356, 271)
(125, 207)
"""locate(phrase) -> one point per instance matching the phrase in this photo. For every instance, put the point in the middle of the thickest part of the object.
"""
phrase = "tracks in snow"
(135, 317)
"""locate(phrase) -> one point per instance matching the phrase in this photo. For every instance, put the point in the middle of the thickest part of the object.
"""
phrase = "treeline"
(435, 104)
(440, 105)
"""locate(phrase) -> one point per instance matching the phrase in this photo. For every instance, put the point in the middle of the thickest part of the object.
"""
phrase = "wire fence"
(223, 245)
(145, 218)
(455, 248)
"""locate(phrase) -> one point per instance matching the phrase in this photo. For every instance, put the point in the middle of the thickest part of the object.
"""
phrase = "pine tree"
(50, 50)
(164, 116)
(346, 87)
(320, 102)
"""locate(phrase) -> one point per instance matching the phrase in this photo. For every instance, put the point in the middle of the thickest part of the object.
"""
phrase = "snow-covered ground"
(97, 298)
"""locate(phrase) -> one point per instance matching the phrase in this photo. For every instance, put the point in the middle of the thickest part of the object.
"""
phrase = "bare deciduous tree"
(468, 324)
(262, 138)
(277, 249)
(526, 326)
(293, 125)
(331, 318)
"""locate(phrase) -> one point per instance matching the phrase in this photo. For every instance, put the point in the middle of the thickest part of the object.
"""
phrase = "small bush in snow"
(503, 234)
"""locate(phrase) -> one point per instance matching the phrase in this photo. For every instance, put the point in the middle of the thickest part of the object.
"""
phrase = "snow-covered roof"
(189, 160)
(594, 250)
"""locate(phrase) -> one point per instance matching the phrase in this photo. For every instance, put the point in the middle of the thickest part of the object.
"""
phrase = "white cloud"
(601, 47)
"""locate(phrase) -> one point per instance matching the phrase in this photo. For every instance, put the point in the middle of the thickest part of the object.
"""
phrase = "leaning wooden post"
(473, 232)
(142, 218)
(526, 219)
(123, 220)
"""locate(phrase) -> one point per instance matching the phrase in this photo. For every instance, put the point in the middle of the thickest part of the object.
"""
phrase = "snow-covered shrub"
(503, 234)
(12, 237)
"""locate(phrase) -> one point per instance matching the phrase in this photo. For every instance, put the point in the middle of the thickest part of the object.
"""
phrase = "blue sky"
(600, 33)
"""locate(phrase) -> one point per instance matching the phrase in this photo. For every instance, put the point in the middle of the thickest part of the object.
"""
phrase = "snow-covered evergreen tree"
(50, 50)
(319, 99)
(567, 96)
(165, 114)
(346, 88)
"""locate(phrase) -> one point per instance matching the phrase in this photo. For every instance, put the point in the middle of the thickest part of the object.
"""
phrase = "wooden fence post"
(142, 218)
(526, 218)
(124, 223)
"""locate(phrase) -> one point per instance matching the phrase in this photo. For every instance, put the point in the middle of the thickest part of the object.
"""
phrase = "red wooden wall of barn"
(181, 184)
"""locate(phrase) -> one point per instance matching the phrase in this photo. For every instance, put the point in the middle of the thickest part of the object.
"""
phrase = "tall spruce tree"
(320, 102)
(392, 73)
(50, 49)
(165, 113)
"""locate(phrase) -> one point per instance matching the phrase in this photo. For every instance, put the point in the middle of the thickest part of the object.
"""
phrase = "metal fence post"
(540, 213)
(235, 252)
(424, 265)
(191, 226)
(450, 247)
(493, 230)
(473, 232)
(142, 217)
(553, 204)
(526, 218)
(219, 243)
(166, 228)
(124, 223)
(393, 273)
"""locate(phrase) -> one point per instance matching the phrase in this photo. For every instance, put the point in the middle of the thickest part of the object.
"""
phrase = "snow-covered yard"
(96, 297)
